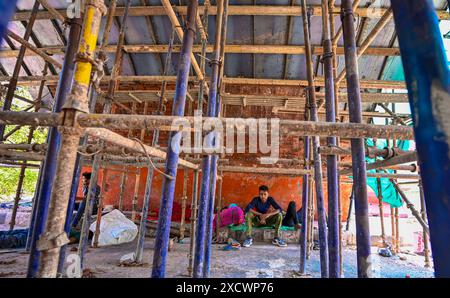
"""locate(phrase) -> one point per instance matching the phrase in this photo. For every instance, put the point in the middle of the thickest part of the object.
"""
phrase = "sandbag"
(115, 228)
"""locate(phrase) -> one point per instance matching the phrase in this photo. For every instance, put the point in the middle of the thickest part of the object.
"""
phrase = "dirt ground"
(260, 260)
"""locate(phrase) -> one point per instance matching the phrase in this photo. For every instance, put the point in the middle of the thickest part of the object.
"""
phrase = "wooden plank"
(229, 49)
(233, 10)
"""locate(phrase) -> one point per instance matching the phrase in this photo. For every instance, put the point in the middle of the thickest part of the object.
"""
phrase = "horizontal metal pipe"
(396, 160)
(26, 147)
(112, 137)
(371, 152)
(20, 155)
(268, 171)
(287, 127)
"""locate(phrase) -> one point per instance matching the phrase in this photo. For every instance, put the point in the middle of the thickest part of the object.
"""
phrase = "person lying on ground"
(257, 214)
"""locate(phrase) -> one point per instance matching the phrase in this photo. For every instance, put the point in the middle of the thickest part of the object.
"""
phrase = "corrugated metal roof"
(241, 30)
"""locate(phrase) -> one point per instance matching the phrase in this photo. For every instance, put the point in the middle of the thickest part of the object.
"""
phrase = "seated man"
(292, 218)
(93, 202)
(257, 214)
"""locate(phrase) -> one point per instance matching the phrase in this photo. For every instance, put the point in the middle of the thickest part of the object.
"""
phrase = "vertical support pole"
(350, 209)
(193, 222)
(198, 145)
(305, 210)
(151, 172)
(428, 81)
(204, 222)
(74, 186)
(381, 210)
(423, 211)
(358, 154)
(34, 208)
(123, 180)
(53, 140)
(393, 231)
(214, 96)
(332, 165)
(144, 215)
(164, 220)
(83, 243)
(100, 207)
(23, 168)
(219, 204)
(14, 78)
(323, 234)
(310, 215)
(90, 200)
(54, 236)
(397, 231)
(183, 204)
(7, 7)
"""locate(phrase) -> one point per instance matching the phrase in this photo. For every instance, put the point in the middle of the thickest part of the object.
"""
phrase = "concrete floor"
(260, 260)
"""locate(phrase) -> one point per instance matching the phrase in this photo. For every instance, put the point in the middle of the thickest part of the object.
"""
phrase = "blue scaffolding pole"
(428, 81)
(54, 139)
(209, 169)
(164, 219)
(7, 7)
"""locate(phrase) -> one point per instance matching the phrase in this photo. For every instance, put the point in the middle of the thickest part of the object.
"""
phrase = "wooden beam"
(229, 49)
(233, 10)
(178, 29)
(31, 47)
(55, 14)
(367, 84)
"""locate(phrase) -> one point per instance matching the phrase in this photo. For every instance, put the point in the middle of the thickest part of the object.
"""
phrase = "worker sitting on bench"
(257, 214)
(93, 202)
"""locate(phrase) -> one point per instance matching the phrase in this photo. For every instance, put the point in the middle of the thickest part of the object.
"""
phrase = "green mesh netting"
(389, 194)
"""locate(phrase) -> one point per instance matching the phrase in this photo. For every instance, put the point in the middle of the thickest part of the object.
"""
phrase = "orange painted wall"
(237, 188)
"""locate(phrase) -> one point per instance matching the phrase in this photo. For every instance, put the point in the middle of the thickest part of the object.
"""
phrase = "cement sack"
(115, 229)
